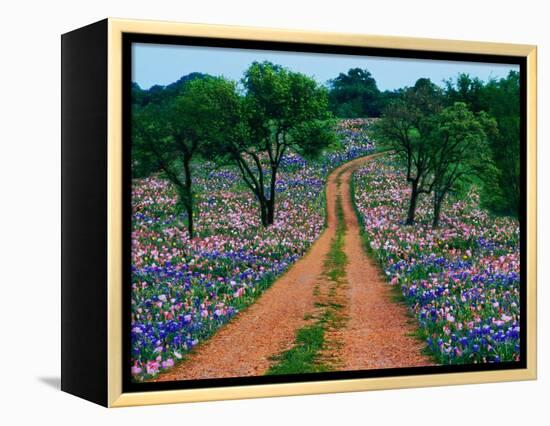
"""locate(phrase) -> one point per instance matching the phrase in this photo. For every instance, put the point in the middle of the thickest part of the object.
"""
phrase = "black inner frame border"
(129, 38)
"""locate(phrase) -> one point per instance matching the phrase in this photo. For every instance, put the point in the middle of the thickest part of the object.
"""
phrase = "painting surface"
(298, 213)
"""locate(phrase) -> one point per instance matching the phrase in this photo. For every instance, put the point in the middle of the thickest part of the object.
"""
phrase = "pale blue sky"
(163, 64)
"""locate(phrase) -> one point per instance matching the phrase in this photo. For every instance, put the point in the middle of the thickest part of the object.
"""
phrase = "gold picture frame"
(115, 29)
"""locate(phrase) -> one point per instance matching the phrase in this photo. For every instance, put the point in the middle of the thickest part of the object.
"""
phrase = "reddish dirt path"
(375, 335)
(377, 332)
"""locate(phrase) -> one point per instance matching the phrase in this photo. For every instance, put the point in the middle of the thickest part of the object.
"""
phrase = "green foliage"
(158, 94)
(457, 146)
(308, 136)
(336, 261)
(404, 128)
(449, 139)
(152, 109)
(279, 110)
(151, 141)
(278, 99)
(170, 132)
(465, 89)
(303, 357)
(500, 99)
(355, 94)
(203, 111)
(208, 116)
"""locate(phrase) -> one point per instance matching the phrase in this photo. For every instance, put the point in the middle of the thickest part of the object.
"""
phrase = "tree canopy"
(355, 94)
(159, 94)
(404, 128)
(467, 131)
(500, 98)
(169, 133)
(457, 147)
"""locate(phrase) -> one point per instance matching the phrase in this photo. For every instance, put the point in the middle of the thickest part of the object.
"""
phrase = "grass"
(305, 354)
(302, 357)
(337, 260)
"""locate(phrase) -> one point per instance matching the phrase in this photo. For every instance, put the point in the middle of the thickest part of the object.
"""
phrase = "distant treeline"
(351, 95)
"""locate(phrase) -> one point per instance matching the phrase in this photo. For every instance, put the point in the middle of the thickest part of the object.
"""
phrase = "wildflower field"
(461, 281)
(184, 289)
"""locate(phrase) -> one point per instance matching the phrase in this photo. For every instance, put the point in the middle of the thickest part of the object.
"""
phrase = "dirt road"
(375, 336)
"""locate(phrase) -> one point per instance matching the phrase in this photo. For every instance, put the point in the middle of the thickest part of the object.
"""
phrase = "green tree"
(465, 89)
(404, 127)
(355, 94)
(158, 94)
(170, 134)
(501, 100)
(387, 97)
(457, 147)
(150, 139)
(279, 111)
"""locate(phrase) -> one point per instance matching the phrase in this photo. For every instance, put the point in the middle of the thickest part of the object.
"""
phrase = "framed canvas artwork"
(254, 212)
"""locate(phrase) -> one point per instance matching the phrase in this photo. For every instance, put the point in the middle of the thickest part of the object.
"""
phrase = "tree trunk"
(412, 203)
(190, 229)
(270, 212)
(188, 197)
(271, 201)
(264, 213)
(437, 210)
